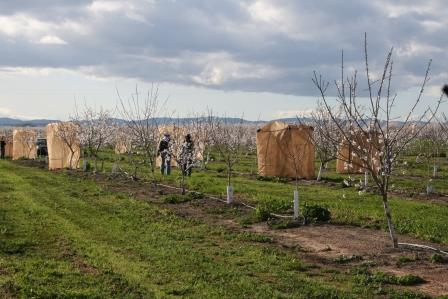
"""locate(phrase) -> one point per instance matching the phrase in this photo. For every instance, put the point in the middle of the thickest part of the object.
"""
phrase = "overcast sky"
(254, 57)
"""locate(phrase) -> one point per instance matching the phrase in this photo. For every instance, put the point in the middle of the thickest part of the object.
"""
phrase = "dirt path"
(331, 242)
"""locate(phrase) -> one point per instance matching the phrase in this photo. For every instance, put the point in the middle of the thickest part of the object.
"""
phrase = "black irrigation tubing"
(221, 200)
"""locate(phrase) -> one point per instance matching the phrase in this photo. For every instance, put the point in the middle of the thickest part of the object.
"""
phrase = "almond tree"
(250, 144)
(325, 136)
(125, 144)
(142, 115)
(95, 130)
(443, 123)
(185, 160)
(431, 143)
(68, 132)
(228, 141)
(295, 152)
(27, 139)
(376, 138)
(200, 127)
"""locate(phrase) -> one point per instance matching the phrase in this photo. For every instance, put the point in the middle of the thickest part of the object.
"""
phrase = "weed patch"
(344, 259)
(284, 223)
(437, 259)
(179, 198)
(315, 213)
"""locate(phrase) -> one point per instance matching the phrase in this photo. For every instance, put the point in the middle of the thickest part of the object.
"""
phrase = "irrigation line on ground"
(418, 246)
(221, 200)
(423, 247)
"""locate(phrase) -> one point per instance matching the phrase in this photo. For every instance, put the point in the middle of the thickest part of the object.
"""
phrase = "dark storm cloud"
(248, 45)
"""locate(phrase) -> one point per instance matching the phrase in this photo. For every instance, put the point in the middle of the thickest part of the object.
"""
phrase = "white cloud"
(248, 45)
(33, 71)
(219, 68)
(294, 113)
(7, 112)
(52, 40)
(267, 12)
(434, 91)
(101, 6)
(275, 16)
(413, 48)
(37, 31)
(128, 8)
(22, 24)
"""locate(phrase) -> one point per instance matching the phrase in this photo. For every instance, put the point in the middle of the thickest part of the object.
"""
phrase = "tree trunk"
(366, 179)
(85, 163)
(321, 169)
(390, 223)
(114, 168)
(229, 194)
(296, 204)
(183, 183)
(71, 159)
(229, 187)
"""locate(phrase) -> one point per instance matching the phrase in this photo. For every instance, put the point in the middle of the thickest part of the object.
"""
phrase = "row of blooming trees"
(376, 139)
(365, 121)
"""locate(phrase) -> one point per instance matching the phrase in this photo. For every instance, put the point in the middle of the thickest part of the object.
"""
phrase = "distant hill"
(13, 122)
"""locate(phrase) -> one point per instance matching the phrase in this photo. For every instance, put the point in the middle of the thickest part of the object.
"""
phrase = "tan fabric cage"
(348, 161)
(24, 144)
(123, 147)
(280, 146)
(123, 141)
(59, 154)
(8, 145)
(8, 149)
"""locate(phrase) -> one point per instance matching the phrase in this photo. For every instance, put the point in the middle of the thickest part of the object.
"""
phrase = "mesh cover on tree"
(24, 144)
(277, 143)
(8, 144)
(63, 151)
(348, 161)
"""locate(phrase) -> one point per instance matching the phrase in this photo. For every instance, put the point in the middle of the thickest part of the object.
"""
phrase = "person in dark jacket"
(164, 152)
(187, 155)
(2, 148)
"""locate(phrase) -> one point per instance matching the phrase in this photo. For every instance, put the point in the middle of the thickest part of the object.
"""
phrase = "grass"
(416, 218)
(424, 220)
(178, 198)
(376, 282)
(64, 237)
